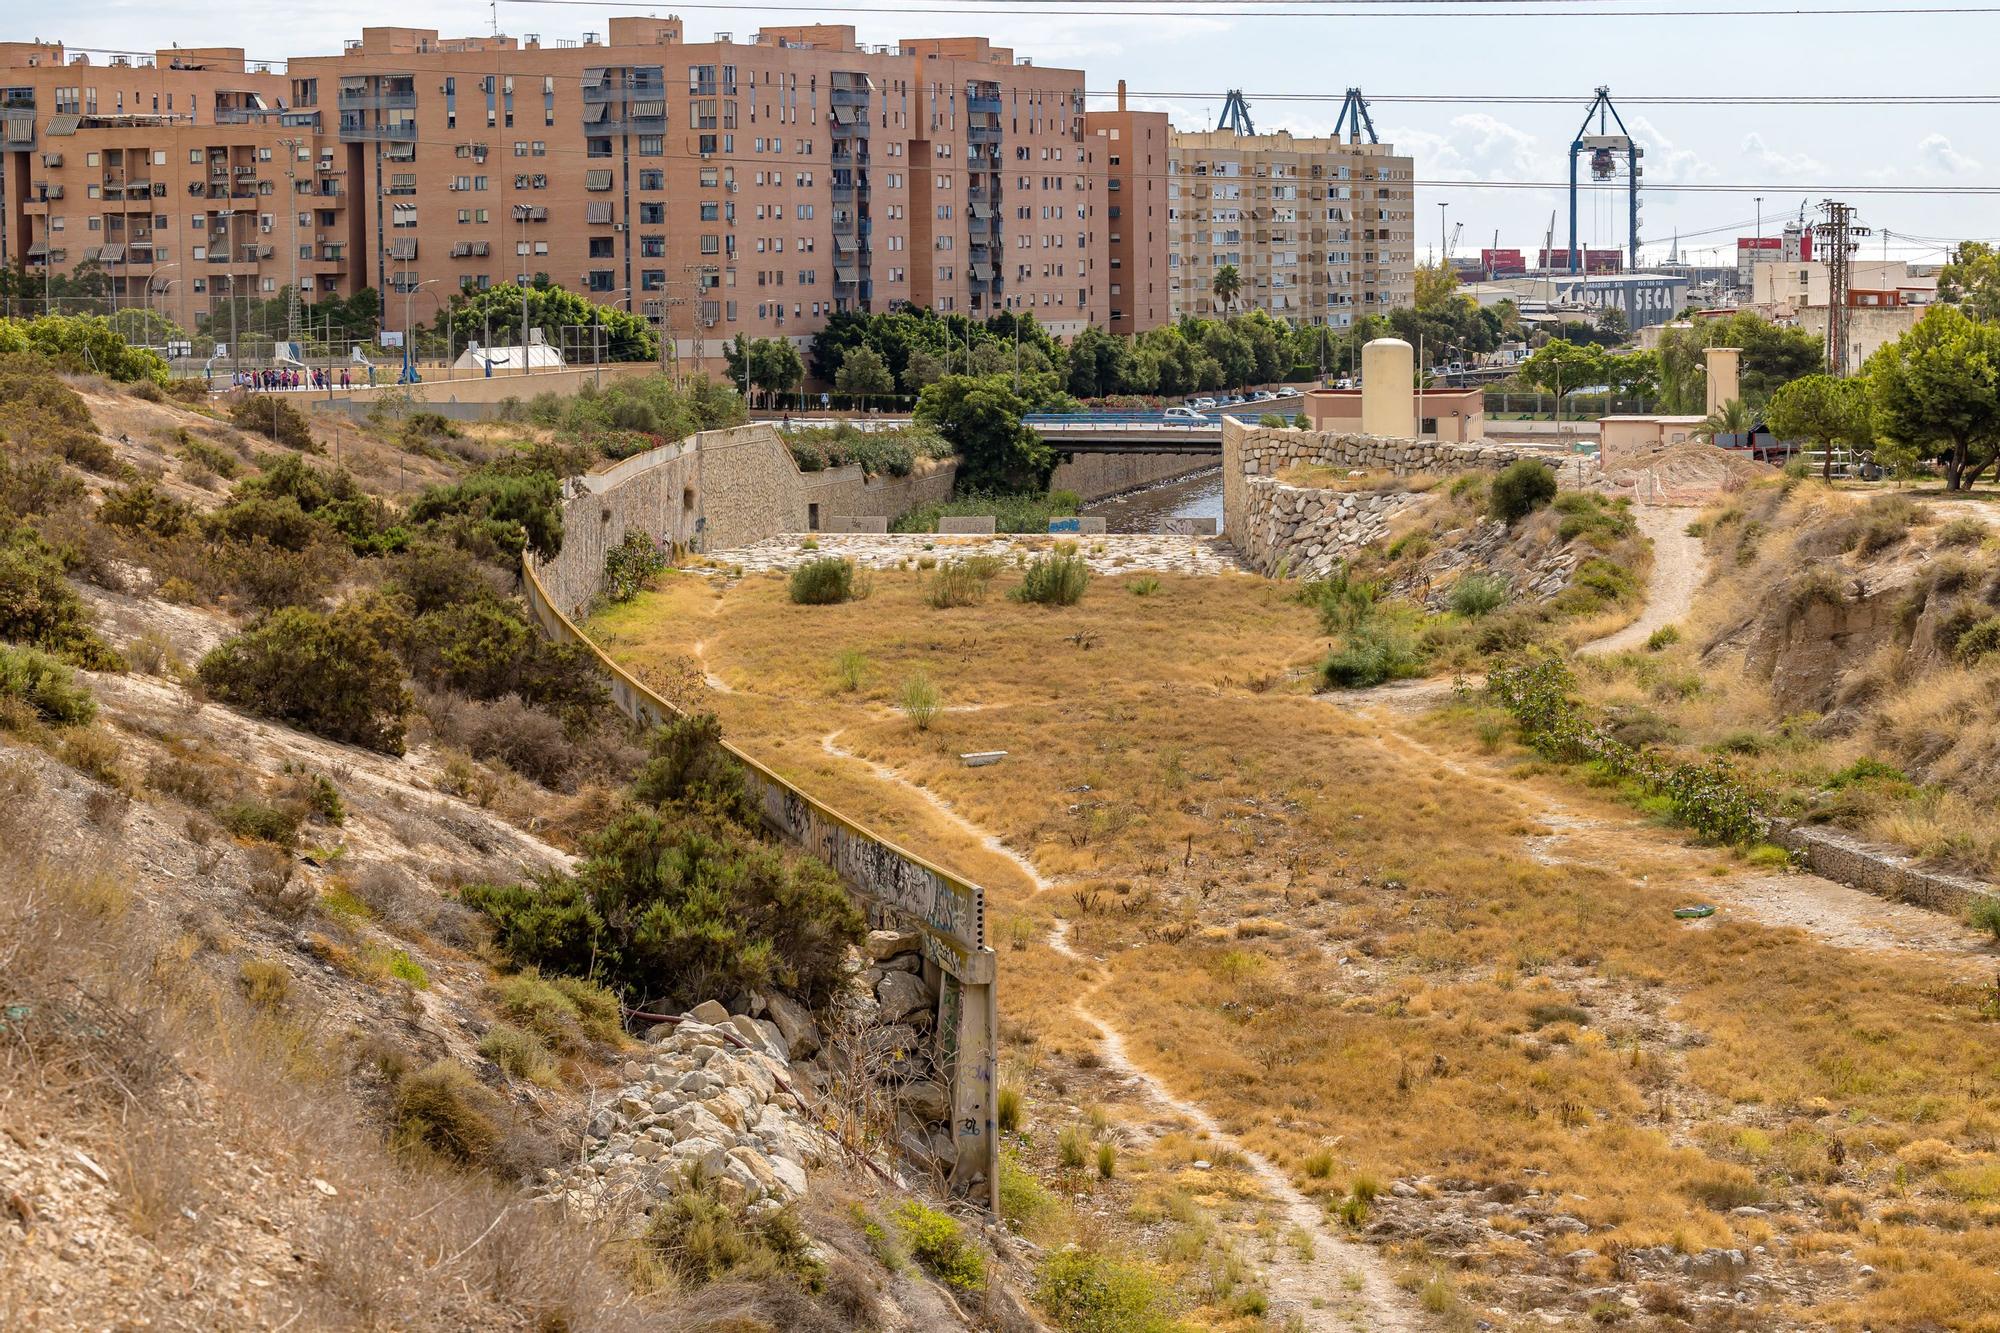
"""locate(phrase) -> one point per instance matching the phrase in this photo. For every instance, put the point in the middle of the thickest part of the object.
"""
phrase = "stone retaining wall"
(1848, 860)
(1305, 530)
(716, 490)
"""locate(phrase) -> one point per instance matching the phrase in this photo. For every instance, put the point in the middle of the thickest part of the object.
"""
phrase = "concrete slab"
(976, 525)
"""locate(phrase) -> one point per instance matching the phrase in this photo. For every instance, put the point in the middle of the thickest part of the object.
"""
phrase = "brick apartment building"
(1320, 230)
(717, 187)
(1133, 147)
(187, 177)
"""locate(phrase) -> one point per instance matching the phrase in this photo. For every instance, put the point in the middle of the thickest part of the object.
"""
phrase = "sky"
(1180, 56)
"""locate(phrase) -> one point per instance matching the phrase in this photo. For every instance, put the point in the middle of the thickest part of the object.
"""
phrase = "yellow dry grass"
(1328, 934)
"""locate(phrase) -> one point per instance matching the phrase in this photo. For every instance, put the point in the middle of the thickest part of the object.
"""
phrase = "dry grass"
(1394, 949)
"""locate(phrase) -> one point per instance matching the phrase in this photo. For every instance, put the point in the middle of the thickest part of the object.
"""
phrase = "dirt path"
(1315, 1289)
(1679, 566)
(1312, 1292)
(1565, 835)
(990, 841)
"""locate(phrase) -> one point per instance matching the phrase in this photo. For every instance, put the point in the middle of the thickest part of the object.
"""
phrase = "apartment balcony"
(378, 101)
(983, 106)
(850, 97)
(404, 130)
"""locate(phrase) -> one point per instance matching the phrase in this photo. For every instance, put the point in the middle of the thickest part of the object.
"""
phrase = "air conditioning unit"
(618, 226)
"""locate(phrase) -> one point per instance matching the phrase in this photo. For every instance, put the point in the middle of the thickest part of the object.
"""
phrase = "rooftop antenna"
(1235, 114)
(1354, 118)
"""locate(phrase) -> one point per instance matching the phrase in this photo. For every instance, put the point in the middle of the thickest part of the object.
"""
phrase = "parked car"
(1286, 392)
(1203, 404)
(1184, 414)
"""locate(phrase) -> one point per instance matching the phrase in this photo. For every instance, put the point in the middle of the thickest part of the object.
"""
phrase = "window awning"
(843, 273)
(112, 254)
(596, 180)
(404, 249)
(38, 250)
(652, 110)
(597, 214)
(593, 112)
(91, 252)
(64, 124)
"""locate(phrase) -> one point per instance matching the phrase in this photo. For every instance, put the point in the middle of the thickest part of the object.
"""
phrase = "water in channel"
(1198, 496)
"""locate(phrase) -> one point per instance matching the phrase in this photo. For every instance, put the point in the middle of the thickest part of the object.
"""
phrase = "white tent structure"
(539, 356)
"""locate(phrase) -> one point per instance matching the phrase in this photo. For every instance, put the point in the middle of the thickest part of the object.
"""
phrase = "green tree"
(1437, 285)
(864, 374)
(1771, 357)
(1971, 281)
(471, 314)
(1732, 418)
(1227, 285)
(1822, 410)
(982, 419)
(1936, 392)
(921, 371)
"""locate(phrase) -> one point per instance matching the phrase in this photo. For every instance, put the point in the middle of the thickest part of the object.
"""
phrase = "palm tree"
(1732, 418)
(1228, 284)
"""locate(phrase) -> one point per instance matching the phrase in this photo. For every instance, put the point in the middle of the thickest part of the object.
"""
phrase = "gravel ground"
(1111, 553)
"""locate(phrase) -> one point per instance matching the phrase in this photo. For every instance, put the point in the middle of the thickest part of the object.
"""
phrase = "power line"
(1363, 11)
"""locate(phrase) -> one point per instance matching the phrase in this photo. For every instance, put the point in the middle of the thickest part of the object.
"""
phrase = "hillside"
(269, 715)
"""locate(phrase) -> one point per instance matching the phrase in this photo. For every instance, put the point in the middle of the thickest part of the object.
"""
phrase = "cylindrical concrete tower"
(1388, 393)
(1722, 375)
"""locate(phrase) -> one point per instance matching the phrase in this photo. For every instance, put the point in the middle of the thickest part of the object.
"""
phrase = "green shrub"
(45, 685)
(920, 701)
(1086, 1292)
(1023, 1200)
(519, 1053)
(335, 674)
(597, 1009)
(1666, 636)
(1145, 586)
(261, 822)
(1011, 512)
(1107, 1160)
(1522, 487)
(442, 1110)
(1476, 594)
(39, 608)
(144, 507)
(825, 581)
(688, 766)
(1962, 531)
(939, 1244)
(1072, 1148)
(700, 1240)
(955, 584)
(630, 565)
(1983, 913)
(265, 984)
(498, 510)
(275, 419)
(1272, 421)
(1590, 515)
(851, 669)
(1010, 1109)
(1375, 652)
(216, 459)
(676, 907)
(1056, 579)
(1978, 640)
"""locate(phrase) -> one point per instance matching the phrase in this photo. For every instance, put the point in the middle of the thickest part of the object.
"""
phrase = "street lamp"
(521, 215)
(409, 334)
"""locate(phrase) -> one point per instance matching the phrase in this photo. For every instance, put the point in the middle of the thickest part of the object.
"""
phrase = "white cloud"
(1665, 162)
(1937, 157)
(1785, 164)
(1476, 146)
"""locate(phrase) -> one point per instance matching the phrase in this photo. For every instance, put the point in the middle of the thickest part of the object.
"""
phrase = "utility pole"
(291, 147)
(1840, 236)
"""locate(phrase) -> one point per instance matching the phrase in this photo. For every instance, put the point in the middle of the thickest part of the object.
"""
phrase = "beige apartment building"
(186, 176)
(1133, 147)
(1321, 231)
(718, 187)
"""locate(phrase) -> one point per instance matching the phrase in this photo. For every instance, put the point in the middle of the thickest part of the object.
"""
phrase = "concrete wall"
(1095, 476)
(899, 890)
(710, 492)
(1847, 860)
(1272, 524)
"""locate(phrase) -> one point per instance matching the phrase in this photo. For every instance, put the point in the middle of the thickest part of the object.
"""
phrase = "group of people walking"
(278, 380)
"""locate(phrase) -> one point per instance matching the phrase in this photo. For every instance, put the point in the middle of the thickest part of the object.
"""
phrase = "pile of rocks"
(1535, 567)
(715, 1096)
(897, 1027)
